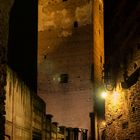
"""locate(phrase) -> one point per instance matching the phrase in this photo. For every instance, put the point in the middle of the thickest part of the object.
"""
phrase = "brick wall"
(65, 47)
(98, 61)
(98, 41)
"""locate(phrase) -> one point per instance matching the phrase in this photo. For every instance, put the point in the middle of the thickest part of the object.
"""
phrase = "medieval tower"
(70, 41)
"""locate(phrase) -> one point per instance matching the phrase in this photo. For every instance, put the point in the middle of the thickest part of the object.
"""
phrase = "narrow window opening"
(101, 60)
(133, 109)
(75, 24)
(99, 7)
(64, 78)
(45, 56)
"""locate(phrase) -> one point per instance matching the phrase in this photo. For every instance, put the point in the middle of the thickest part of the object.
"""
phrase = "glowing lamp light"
(104, 95)
(103, 123)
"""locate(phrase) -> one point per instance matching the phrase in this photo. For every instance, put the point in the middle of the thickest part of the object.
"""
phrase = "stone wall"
(122, 105)
(5, 7)
(18, 108)
(98, 62)
(123, 56)
(38, 117)
(65, 47)
(17, 95)
(98, 40)
(24, 110)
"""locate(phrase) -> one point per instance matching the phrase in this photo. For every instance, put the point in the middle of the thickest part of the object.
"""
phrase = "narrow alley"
(69, 70)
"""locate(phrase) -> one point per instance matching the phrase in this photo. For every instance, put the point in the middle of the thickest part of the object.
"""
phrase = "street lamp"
(104, 94)
(108, 78)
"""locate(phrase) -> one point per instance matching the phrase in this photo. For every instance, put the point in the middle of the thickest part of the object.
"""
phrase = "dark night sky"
(109, 7)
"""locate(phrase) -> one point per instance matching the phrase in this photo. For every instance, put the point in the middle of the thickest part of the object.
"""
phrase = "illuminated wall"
(65, 47)
(24, 111)
(122, 105)
(98, 41)
(18, 108)
(5, 7)
(18, 43)
(98, 61)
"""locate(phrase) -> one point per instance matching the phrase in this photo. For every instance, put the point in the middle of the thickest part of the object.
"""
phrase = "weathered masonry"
(122, 105)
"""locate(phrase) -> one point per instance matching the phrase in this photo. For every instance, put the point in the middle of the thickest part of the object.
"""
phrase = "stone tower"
(65, 58)
(98, 62)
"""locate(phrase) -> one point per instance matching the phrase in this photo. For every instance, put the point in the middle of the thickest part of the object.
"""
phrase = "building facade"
(65, 60)
(67, 56)
(123, 64)
(70, 59)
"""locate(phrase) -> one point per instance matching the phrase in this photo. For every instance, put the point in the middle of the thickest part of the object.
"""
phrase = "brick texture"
(66, 49)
